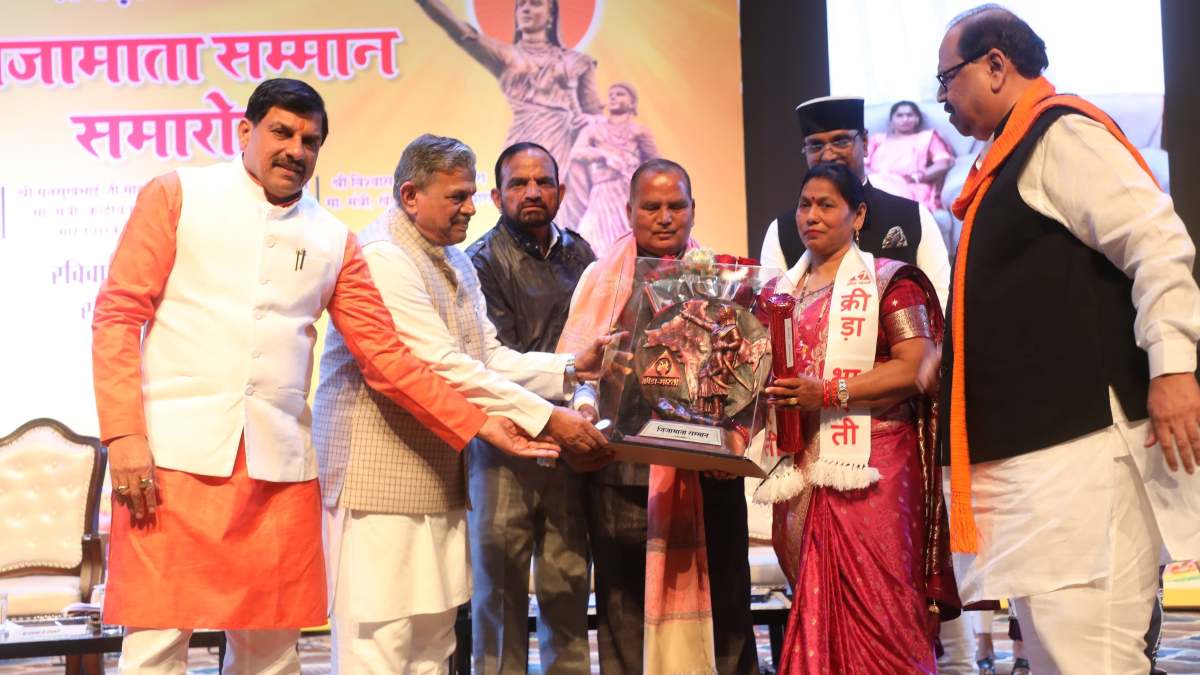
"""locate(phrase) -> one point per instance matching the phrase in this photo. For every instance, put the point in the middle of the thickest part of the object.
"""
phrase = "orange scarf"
(1036, 100)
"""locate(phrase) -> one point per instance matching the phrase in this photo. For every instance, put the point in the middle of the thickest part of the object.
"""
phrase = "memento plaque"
(685, 390)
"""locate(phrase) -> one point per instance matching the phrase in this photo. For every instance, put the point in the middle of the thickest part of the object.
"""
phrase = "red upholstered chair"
(50, 480)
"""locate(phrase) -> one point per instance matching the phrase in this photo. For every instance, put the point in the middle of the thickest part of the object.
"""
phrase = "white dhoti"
(396, 582)
(1073, 535)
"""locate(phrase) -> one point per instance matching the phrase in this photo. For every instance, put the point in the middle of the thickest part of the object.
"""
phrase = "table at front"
(76, 647)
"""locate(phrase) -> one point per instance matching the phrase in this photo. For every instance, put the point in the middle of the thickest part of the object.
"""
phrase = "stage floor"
(1180, 652)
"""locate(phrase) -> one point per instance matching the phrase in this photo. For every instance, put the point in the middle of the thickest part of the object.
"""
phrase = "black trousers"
(616, 517)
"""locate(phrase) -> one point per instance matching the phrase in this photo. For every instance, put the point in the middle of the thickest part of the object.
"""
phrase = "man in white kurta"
(1071, 531)
(394, 494)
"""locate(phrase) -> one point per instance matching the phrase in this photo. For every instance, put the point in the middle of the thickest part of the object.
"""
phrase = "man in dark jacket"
(528, 268)
(899, 228)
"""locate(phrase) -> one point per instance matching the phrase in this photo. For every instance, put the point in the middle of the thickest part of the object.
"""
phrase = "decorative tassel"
(842, 477)
(784, 482)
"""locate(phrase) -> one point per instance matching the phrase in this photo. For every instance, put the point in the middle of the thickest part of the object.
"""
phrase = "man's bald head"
(661, 209)
(991, 26)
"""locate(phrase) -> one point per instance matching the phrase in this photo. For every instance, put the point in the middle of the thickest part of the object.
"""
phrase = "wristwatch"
(570, 379)
(843, 394)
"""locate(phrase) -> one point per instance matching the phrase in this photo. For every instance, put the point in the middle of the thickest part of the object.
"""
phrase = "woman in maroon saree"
(864, 545)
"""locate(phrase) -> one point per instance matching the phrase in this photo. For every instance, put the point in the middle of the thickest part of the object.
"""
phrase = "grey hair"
(429, 154)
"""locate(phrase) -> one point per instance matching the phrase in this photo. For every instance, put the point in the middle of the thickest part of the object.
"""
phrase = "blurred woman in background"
(909, 161)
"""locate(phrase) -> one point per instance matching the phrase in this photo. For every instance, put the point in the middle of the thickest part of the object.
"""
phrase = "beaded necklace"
(805, 351)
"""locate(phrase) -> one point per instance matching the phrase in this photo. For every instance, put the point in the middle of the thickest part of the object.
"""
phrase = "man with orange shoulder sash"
(1070, 408)
(202, 354)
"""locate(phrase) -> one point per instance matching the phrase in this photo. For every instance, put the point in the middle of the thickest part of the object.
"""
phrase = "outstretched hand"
(584, 447)
(589, 363)
(502, 433)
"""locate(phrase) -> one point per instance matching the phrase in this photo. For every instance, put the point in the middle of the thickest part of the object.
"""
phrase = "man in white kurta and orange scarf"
(1070, 398)
(217, 521)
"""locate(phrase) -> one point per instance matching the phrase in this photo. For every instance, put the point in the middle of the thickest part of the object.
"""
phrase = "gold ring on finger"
(122, 489)
(146, 482)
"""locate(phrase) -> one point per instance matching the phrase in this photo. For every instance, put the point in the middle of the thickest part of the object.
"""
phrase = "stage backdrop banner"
(99, 96)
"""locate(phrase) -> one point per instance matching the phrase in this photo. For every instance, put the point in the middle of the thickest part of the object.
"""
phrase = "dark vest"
(1049, 327)
(884, 212)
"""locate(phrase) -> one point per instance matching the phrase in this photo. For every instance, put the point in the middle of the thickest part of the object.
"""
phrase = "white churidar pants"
(958, 636)
(163, 651)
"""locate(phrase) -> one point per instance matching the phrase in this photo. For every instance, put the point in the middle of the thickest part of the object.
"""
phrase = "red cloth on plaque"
(233, 553)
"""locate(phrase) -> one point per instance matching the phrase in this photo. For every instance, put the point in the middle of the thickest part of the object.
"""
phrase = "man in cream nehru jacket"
(395, 494)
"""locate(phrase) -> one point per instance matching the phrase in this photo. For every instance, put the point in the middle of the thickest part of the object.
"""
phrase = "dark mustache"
(948, 108)
(293, 166)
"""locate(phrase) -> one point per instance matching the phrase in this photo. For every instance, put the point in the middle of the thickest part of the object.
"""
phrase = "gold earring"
(857, 231)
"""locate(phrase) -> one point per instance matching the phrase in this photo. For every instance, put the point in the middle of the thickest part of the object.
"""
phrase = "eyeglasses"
(947, 76)
(839, 143)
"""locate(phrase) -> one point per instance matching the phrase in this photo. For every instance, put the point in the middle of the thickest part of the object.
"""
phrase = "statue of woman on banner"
(550, 88)
(606, 153)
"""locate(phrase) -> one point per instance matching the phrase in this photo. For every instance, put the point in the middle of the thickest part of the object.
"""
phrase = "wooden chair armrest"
(91, 568)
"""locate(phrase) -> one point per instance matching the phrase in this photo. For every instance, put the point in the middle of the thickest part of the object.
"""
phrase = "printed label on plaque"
(682, 431)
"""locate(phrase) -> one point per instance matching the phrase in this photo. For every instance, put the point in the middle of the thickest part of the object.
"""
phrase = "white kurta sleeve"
(585, 393)
(423, 331)
(539, 372)
(932, 257)
(1080, 175)
(772, 251)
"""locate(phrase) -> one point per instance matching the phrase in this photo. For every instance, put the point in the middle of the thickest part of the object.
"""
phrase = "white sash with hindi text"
(845, 437)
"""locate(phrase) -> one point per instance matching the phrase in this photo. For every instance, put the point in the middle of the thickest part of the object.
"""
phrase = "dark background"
(785, 60)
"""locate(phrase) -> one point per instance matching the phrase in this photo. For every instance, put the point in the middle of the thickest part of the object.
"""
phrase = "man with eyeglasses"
(1069, 398)
(896, 227)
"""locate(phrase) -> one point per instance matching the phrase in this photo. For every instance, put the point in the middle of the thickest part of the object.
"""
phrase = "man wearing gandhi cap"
(896, 227)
